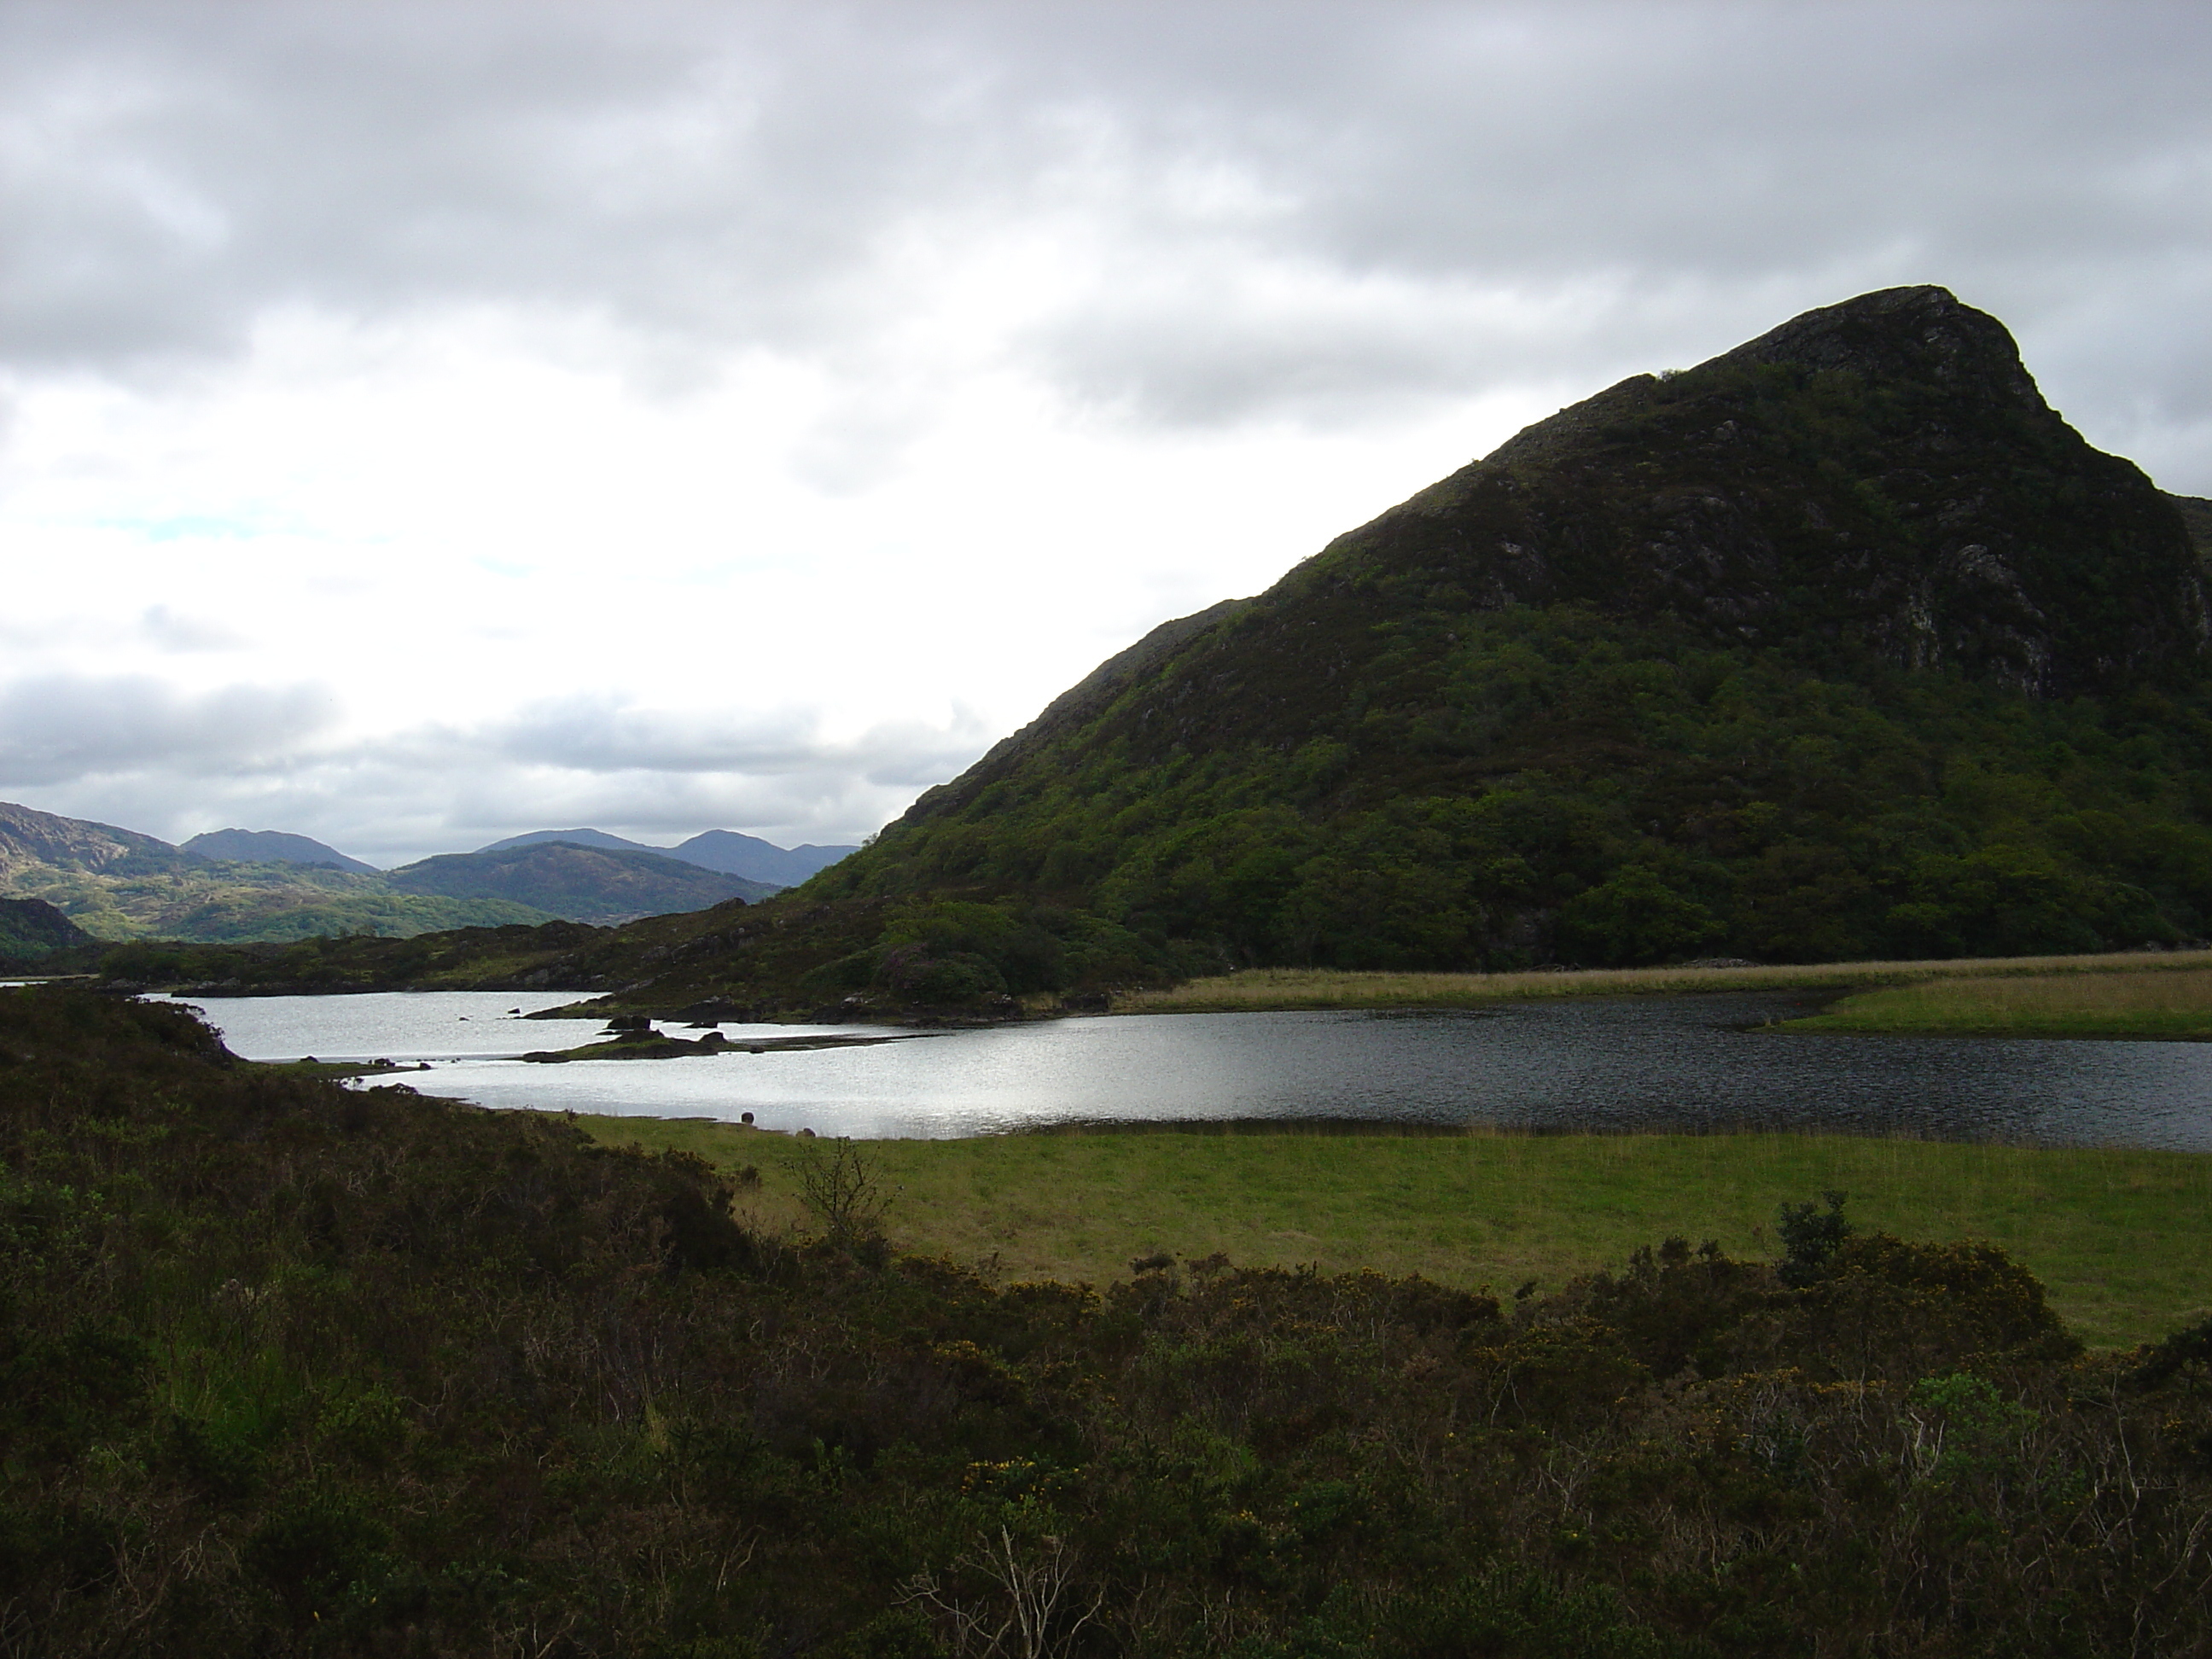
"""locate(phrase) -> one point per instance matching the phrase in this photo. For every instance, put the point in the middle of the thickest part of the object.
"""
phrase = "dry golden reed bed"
(1318, 988)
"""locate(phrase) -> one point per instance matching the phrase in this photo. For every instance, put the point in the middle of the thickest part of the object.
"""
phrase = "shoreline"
(1259, 990)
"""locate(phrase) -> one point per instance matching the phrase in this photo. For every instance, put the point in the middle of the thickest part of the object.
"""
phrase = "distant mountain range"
(63, 875)
(576, 883)
(725, 850)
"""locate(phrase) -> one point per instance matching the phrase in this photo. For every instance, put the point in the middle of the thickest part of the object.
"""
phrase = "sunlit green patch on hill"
(2141, 1005)
(239, 901)
(2123, 1239)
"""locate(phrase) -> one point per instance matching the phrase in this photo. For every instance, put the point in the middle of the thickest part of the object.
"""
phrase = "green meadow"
(2120, 1237)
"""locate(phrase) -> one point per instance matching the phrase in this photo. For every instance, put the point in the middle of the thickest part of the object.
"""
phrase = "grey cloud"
(715, 176)
(61, 728)
(180, 632)
(719, 173)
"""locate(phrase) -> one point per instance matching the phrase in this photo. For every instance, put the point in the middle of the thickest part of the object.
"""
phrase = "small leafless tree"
(841, 1191)
(1034, 1578)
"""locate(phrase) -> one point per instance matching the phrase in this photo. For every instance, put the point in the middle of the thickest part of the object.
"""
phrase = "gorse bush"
(296, 1371)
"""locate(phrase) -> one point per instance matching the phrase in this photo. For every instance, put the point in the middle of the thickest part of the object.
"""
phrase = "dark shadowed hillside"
(32, 928)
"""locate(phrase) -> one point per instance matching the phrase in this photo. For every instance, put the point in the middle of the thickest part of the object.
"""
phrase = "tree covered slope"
(1843, 643)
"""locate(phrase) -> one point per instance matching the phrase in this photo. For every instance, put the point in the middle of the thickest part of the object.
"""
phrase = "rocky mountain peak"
(1882, 474)
(1925, 334)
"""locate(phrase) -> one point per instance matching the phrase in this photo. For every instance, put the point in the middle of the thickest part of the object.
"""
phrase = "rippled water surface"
(1618, 1063)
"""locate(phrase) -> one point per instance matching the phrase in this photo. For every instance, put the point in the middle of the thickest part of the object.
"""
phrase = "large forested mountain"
(1843, 642)
(1841, 645)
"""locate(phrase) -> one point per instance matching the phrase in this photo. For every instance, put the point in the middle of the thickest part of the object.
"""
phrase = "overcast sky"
(424, 422)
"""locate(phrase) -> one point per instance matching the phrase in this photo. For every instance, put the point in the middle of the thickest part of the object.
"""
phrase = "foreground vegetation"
(2121, 1238)
(2177, 1005)
(293, 1369)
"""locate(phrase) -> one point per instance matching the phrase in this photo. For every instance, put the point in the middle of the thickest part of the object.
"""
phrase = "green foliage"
(297, 1370)
(1553, 784)
(1810, 1239)
(1632, 918)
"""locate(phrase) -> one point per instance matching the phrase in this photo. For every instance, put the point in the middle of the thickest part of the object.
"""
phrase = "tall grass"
(2142, 1004)
(2122, 1238)
(1329, 987)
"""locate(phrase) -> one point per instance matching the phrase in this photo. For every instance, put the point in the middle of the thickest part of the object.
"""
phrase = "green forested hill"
(1842, 645)
(32, 928)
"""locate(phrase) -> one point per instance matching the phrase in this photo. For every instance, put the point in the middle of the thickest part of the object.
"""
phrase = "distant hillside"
(756, 860)
(733, 854)
(599, 838)
(118, 884)
(271, 847)
(32, 840)
(1841, 644)
(580, 884)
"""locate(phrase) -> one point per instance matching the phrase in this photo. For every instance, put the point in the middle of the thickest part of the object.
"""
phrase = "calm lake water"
(1609, 1063)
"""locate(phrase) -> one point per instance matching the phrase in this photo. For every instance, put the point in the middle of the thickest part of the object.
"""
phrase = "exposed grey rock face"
(31, 837)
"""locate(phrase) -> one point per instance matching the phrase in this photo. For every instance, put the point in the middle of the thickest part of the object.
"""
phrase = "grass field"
(2145, 1003)
(2124, 1239)
(1321, 988)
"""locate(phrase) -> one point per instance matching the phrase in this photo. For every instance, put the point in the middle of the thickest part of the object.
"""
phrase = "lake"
(1620, 1063)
